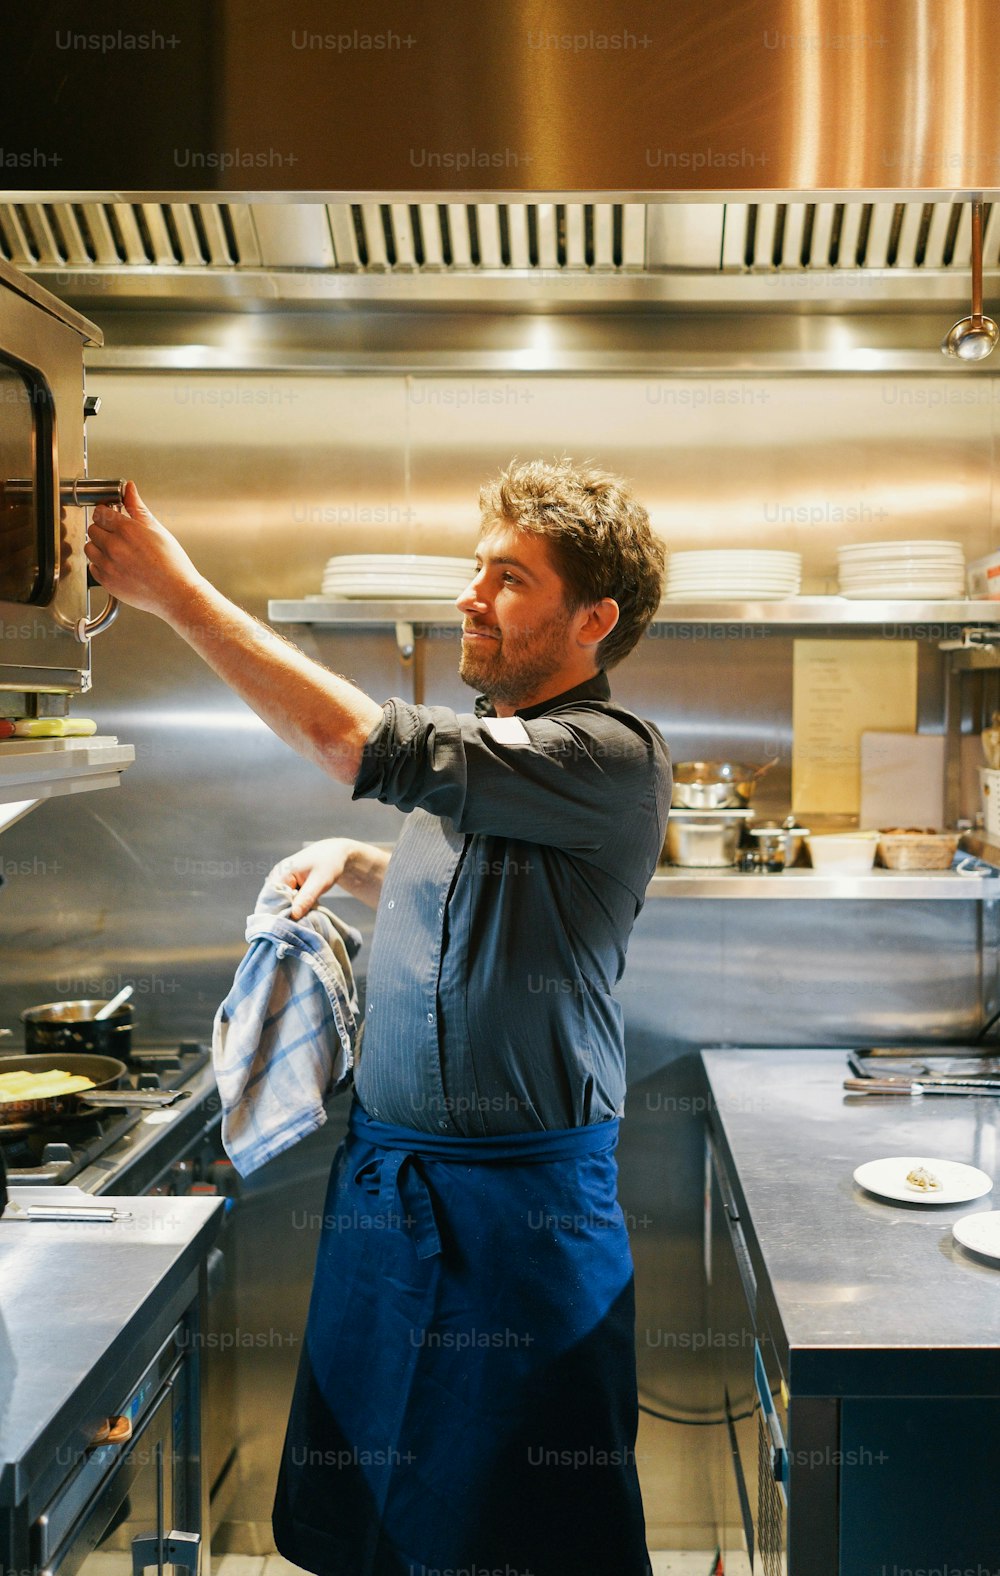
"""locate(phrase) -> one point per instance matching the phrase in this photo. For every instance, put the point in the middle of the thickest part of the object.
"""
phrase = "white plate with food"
(979, 1233)
(918, 1179)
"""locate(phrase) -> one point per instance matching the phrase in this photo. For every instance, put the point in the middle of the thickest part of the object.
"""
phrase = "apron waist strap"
(398, 1176)
(559, 1143)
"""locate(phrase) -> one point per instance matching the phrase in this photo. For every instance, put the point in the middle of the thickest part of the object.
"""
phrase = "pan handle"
(142, 1099)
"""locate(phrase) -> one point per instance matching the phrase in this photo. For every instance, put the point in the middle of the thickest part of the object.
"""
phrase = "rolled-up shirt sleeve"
(547, 779)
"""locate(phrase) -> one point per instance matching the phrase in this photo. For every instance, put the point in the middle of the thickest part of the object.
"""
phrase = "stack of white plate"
(725, 575)
(370, 576)
(875, 570)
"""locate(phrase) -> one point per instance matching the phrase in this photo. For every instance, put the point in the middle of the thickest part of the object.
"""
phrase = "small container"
(705, 839)
(982, 577)
(842, 853)
(917, 850)
(989, 790)
(991, 742)
(784, 840)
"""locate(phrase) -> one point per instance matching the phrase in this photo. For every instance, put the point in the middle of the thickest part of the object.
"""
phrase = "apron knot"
(403, 1193)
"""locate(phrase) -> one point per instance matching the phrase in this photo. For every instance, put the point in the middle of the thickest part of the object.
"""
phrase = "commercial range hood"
(575, 283)
(782, 159)
(297, 252)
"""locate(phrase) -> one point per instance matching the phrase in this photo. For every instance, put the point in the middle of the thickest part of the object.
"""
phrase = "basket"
(918, 850)
(989, 792)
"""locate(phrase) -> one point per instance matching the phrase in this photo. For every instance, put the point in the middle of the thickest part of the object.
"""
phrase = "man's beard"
(512, 668)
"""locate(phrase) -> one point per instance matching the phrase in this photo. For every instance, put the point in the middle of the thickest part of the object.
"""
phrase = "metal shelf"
(797, 612)
(36, 769)
(937, 885)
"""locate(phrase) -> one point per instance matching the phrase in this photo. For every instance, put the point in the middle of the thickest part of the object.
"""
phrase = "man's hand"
(357, 867)
(137, 560)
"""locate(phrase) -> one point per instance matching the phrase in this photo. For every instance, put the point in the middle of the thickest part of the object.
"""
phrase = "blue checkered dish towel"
(283, 1039)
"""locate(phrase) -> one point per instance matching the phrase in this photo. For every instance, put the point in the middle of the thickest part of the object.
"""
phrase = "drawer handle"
(113, 1431)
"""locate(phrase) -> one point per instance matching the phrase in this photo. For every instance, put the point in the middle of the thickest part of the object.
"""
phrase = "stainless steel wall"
(263, 478)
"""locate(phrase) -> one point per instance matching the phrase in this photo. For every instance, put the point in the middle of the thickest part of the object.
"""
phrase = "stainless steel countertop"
(857, 1292)
(78, 1304)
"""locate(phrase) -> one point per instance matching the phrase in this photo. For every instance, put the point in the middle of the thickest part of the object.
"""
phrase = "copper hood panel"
(626, 96)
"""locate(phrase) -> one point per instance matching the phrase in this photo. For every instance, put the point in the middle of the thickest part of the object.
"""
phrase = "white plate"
(451, 571)
(954, 560)
(398, 593)
(733, 580)
(980, 1233)
(906, 593)
(887, 1179)
(731, 574)
(738, 595)
(396, 561)
(459, 581)
(914, 549)
(759, 559)
(944, 585)
(943, 577)
(379, 580)
(772, 553)
(736, 588)
(904, 572)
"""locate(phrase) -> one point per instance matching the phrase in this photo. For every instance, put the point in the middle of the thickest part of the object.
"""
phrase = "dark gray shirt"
(506, 910)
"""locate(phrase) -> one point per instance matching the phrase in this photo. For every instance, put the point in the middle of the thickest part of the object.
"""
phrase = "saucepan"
(105, 1073)
(75, 1026)
(716, 785)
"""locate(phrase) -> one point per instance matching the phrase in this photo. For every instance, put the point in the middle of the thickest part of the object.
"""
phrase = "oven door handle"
(87, 628)
(174, 1548)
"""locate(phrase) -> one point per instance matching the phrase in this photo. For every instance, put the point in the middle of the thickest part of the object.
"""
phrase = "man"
(466, 1398)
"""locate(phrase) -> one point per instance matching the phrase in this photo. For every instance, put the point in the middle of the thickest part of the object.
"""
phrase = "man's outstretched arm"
(323, 717)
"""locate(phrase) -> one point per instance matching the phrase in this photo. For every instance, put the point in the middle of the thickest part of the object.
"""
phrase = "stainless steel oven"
(134, 1502)
(750, 1474)
(45, 625)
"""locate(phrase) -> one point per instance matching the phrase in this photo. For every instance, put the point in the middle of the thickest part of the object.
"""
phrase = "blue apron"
(466, 1398)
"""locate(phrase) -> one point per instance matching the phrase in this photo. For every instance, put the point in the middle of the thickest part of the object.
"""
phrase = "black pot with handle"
(74, 1026)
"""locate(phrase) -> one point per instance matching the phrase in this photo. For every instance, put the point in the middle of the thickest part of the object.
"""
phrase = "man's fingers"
(107, 518)
(134, 504)
(305, 899)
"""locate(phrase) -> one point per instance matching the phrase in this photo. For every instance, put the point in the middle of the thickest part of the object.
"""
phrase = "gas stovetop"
(121, 1151)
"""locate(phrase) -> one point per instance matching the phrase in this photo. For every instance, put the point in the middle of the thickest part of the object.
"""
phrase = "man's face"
(516, 629)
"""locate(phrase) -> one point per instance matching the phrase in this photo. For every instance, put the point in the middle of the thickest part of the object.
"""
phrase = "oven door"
(43, 571)
(129, 1524)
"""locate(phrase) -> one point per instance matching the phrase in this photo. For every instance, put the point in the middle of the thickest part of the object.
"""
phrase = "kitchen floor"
(665, 1563)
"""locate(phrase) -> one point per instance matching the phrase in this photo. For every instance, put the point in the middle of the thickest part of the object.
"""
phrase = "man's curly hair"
(600, 537)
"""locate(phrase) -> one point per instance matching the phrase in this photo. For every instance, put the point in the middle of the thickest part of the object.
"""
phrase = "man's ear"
(600, 621)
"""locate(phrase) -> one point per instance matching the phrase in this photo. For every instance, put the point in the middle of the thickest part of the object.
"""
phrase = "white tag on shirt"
(507, 730)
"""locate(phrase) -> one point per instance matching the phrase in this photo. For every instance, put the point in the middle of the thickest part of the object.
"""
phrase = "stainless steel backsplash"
(264, 477)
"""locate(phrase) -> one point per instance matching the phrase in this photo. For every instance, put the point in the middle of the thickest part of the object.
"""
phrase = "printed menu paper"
(841, 689)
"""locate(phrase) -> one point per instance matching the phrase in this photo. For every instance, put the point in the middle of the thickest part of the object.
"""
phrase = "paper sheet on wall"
(840, 689)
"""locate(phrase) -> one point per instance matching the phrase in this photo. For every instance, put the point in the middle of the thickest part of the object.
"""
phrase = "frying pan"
(106, 1072)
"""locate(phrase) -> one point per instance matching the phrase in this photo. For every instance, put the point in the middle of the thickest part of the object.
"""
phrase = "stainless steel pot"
(74, 1026)
(716, 785)
(706, 839)
(784, 840)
